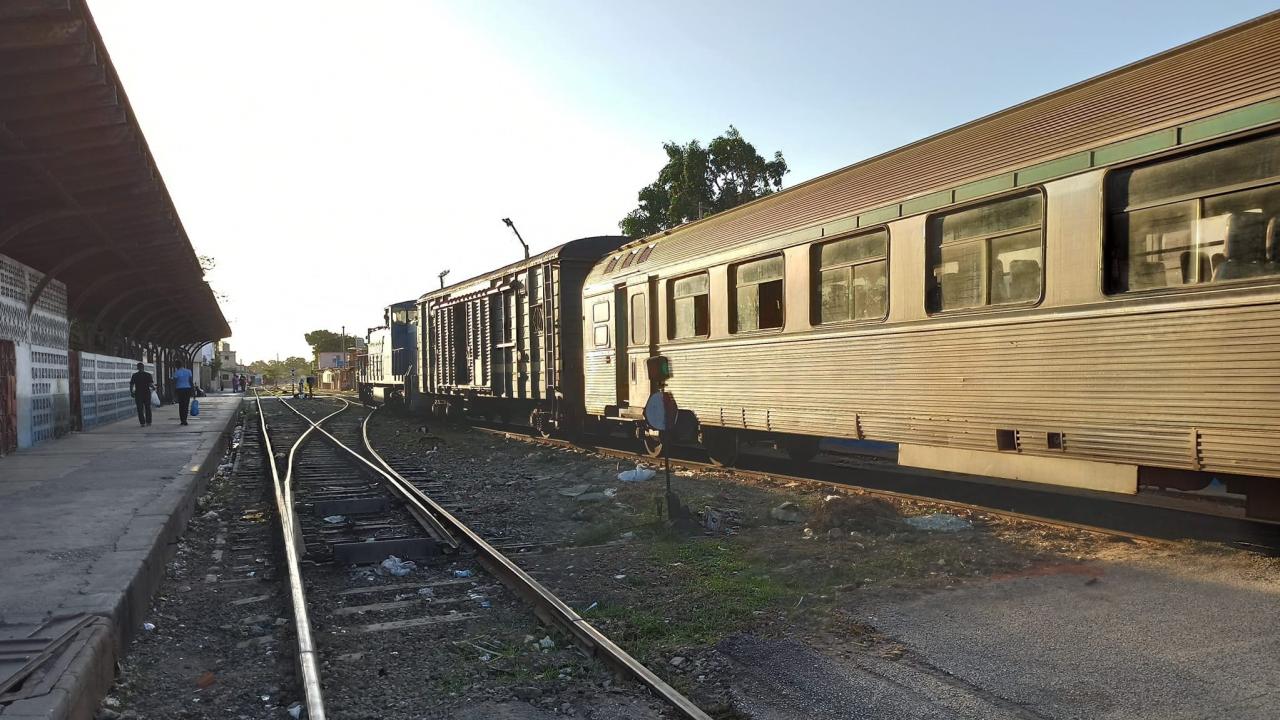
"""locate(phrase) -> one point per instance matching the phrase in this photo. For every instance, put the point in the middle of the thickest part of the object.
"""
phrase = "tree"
(699, 181)
(277, 371)
(327, 341)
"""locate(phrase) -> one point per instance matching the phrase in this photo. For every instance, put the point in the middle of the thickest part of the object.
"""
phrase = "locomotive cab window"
(1206, 217)
(689, 307)
(988, 254)
(757, 294)
(850, 277)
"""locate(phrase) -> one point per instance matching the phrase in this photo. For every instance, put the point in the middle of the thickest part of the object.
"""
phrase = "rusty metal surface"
(511, 334)
(80, 191)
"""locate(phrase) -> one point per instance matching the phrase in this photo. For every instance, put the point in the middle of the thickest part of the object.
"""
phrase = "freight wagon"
(507, 345)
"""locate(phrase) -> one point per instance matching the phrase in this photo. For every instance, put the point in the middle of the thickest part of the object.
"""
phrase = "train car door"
(620, 345)
(642, 341)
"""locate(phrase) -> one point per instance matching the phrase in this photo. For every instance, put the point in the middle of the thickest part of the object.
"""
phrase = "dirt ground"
(787, 561)
(760, 586)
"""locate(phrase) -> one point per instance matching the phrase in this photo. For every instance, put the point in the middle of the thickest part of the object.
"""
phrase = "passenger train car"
(387, 371)
(1082, 290)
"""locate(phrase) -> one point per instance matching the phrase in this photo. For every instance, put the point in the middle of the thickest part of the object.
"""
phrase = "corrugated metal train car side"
(1091, 358)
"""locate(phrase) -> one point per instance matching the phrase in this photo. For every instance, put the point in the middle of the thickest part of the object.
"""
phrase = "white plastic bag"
(155, 399)
(640, 474)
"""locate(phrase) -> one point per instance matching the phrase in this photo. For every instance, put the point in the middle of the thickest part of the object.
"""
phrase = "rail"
(550, 608)
(1119, 517)
(308, 657)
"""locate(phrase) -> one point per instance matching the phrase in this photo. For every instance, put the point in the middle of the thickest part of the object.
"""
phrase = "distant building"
(229, 368)
(330, 360)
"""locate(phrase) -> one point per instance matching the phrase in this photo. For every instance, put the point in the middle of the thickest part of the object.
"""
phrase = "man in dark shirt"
(140, 387)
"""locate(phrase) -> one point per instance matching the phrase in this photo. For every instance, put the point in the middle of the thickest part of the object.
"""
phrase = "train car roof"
(588, 248)
(1234, 67)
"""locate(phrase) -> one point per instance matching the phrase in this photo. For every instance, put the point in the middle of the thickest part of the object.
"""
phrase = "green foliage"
(328, 341)
(699, 181)
(277, 371)
(716, 590)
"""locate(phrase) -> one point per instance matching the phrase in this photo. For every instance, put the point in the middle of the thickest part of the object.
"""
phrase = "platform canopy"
(81, 198)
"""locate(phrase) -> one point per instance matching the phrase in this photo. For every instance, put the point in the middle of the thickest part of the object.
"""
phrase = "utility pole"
(523, 244)
(342, 364)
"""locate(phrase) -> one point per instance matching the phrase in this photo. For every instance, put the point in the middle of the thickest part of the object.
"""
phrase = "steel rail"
(308, 656)
(877, 492)
(402, 487)
(550, 608)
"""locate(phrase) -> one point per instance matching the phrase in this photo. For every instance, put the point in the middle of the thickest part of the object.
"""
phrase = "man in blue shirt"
(183, 388)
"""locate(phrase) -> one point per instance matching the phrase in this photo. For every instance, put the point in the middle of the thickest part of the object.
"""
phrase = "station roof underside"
(81, 198)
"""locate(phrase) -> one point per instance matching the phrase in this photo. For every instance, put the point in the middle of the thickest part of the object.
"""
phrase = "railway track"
(340, 503)
(1135, 518)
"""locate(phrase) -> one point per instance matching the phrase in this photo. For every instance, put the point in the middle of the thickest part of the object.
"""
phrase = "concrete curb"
(119, 589)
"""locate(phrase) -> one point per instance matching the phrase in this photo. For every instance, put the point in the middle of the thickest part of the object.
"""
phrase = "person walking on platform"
(140, 385)
(183, 388)
(311, 386)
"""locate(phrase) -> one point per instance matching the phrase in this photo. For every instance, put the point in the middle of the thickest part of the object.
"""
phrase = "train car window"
(1207, 217)
(851, 278)
(639, 320)
(758, 290)
(600, 335)
(690, 307)
(989, 254)
(600, 312)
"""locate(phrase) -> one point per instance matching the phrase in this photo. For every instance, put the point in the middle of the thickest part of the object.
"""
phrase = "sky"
(334, 157)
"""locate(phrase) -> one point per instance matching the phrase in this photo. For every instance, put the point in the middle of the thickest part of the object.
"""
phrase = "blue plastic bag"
(195, 407)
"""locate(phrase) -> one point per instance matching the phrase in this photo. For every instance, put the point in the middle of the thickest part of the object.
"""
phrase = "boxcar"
(387, 371)
(1083, 290)
(506, 345)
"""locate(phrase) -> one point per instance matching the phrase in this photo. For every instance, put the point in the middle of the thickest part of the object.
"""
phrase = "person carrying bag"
(142, 388)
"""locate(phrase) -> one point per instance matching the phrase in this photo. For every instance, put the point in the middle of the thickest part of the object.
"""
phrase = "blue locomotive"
(387, 372)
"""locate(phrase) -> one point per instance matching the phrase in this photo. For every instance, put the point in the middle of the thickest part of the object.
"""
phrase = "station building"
(96, 270)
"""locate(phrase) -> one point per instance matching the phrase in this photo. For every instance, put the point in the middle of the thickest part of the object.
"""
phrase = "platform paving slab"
(87, 524)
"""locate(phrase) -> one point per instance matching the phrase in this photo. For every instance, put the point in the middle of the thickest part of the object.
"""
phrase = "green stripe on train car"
(926, 202)
(1054, 168)
(984, 187)
(879, 215)
(1133, 147)
(1238, 119)
(844, 224)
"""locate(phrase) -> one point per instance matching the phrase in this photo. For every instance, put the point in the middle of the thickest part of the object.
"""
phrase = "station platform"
(87, 524)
